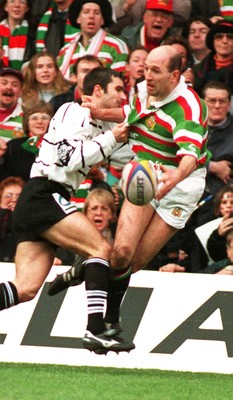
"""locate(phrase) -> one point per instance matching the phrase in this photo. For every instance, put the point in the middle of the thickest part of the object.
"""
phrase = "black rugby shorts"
(41, 204)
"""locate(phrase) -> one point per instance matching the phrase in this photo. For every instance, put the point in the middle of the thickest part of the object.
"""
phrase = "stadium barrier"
(178, 321)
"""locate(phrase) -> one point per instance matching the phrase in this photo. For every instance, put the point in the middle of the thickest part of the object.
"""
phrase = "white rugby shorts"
(177, 206)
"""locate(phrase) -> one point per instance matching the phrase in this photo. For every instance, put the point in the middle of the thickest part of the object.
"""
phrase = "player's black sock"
(119, 282)
(96, 281)
(8, 295)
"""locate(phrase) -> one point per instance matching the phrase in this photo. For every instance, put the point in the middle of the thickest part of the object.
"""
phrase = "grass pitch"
(57, 382)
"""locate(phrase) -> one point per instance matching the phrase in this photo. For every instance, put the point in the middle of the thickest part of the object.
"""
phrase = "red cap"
(163, 5)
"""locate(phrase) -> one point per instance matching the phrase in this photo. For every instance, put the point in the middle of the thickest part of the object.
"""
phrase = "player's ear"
(175, 75)
(98, 91)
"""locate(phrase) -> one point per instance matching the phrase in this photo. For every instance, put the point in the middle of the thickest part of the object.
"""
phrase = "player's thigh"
(33, 261)
(157, 234)
(77, 233)
(132, 223)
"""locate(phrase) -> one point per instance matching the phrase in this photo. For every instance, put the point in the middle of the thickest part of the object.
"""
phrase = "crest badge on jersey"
(150, 122)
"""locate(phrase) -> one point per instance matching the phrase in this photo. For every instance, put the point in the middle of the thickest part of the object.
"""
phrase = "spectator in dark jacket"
(18, 155)
(156, 26)
(218, 64)
(223, 207)
(220, 141)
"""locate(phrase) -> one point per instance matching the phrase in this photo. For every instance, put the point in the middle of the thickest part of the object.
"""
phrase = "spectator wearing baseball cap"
(130, 12)
(156, 26)
(11, 112)
(218, 64)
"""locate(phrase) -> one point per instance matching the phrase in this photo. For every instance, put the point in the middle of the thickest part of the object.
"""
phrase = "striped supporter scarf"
(14, 43)
(226, 9)
(43, 26)
(81, 194)
(32, 144)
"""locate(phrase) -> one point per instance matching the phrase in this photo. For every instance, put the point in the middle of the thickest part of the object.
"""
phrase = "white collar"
(142, 93)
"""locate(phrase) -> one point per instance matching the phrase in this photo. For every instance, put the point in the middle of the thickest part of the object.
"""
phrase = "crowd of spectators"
(47, 48)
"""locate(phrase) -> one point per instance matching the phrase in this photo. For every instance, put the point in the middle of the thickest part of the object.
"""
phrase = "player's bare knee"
(103, 250)
(135, 266)
(25, 293)
(121, 256)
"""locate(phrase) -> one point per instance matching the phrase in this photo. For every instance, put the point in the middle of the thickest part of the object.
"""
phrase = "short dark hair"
(98, 76)
(178, 39)
(198, 18)
(216, 85)
(218, 198)
(175, 63)
(88, 58)
(139, 47)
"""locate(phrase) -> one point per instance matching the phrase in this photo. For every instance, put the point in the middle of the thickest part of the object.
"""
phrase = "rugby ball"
(139, 182)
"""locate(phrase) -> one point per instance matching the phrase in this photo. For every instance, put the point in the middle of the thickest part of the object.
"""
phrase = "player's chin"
(150, 90)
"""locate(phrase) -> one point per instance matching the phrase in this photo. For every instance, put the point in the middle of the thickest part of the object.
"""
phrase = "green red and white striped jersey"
(169, 129)
(111, 50)
(14, 43)
(11, 127)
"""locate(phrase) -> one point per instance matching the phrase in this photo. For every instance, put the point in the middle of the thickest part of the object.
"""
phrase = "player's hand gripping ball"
(139, 182)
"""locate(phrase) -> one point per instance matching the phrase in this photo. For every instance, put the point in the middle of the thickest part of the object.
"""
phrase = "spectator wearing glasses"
(130, 12)
(10, 189)
(18, 155)
(156, 26)
(218, 64)
(220, 142)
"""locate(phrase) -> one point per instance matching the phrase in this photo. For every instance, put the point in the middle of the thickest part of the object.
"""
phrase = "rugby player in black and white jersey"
(45, 218)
